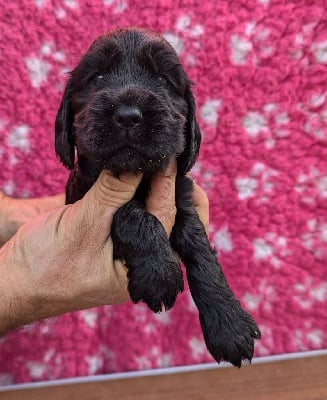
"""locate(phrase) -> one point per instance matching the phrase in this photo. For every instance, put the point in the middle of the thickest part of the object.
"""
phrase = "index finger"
(161, 200)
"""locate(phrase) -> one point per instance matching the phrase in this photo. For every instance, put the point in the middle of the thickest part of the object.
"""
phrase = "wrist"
(3, 219)
(10, 209)
(22, 301)
(14, 310)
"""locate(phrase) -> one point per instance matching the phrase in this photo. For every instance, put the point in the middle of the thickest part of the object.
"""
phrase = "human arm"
(16, 212)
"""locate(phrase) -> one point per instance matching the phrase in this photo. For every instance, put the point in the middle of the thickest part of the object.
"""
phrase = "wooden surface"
(298, 379)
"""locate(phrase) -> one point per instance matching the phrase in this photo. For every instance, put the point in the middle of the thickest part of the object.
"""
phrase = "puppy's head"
(128, 107)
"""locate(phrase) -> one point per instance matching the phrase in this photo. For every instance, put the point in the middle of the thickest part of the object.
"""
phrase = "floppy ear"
(192, 136)
(64, 138)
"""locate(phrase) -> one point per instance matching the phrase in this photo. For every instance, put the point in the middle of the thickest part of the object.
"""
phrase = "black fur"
(128, 107)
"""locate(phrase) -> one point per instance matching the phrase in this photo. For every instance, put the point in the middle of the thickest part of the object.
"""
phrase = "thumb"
(110, 192)
(100, 203)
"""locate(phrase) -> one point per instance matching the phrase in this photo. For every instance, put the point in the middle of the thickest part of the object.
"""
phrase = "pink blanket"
(260, 68)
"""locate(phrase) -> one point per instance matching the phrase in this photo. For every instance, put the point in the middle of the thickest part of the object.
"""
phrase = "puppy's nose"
(127, 116)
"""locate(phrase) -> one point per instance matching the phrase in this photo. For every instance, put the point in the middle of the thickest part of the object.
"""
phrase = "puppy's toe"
(156, 287)
(229, 334)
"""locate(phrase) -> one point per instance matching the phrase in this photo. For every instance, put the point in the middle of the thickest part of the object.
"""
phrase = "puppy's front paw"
(229, 333)
(154, 274)
(156, 281)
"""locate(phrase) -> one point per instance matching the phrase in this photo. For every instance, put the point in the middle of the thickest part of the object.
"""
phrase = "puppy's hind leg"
(154, 272)
(228, 330)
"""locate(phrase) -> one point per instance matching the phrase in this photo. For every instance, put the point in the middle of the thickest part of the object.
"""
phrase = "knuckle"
(114, 189)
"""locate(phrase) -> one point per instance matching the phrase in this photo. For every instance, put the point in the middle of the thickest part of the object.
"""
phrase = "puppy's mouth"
(127, 159)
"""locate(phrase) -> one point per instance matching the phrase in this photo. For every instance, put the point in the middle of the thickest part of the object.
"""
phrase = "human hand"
(63, 261)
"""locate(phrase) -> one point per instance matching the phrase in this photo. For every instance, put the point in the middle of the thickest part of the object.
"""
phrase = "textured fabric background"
(260, 68)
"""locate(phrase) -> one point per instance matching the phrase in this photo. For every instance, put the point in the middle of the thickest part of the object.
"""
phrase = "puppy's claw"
(231, 337)
(158, 303)
(157, 291)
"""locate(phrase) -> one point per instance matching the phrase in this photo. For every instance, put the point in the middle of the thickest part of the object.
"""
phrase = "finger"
(50, 202)
(161, 200)
(112, 192)
(95, 211)
(201, 204)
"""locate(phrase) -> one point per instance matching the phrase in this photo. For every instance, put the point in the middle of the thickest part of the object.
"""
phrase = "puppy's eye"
(94, 79)
(162, 79)
(168, 82)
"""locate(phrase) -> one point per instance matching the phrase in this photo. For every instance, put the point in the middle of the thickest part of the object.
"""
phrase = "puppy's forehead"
(130, 41)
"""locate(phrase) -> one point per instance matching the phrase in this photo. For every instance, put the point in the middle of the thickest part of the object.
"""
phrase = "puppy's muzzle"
(127, 116)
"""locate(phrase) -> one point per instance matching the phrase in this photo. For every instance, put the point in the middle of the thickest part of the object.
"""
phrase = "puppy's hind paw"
(156, 287)
(230, 334)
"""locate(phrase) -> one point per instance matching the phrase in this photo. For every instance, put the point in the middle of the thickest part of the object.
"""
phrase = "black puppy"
(128, 107)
